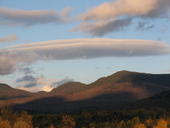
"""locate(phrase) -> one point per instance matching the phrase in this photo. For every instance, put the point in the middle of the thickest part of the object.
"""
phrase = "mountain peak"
(71, 84)
(125, 72)
(69, 87)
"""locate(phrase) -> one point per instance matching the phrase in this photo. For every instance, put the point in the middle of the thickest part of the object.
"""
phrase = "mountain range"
(106, 93)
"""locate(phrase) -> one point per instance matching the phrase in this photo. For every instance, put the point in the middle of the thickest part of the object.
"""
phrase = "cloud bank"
(35, 84)
(112, 16)
(31, 82)
(15, 17)
(30, 53)
(10, 38)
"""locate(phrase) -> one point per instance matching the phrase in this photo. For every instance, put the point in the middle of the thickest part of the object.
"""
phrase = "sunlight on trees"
(5, 124)
(83, 120)
(161, 124)
(22, 124)
(51, 126)
(141, 125)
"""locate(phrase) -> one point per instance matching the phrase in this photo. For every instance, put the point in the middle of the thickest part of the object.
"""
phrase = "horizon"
(46, 43)
(86, 84)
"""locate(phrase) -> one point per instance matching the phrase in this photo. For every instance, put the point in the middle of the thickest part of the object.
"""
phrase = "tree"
(68, 122)
(161, 124)
(149, 123)
(5, 124)
(22, 124)
(140, 125)
(121, 124)
(92, 125)
(51, 126)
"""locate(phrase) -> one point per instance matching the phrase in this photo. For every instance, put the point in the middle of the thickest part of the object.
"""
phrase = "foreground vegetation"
(100, 119)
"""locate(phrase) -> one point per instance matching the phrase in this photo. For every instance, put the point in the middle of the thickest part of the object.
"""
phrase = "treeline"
(100, 119)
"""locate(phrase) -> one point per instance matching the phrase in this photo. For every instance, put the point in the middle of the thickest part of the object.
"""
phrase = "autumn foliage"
(108, 119)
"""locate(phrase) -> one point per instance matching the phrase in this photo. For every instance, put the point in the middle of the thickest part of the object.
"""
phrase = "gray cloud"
(26, 70)
(26, 78)
(10, 38)
(58, 83)
(38, 83)
(30, 82)
(102, 28)
(30, 53)
(32, 17)
(144, 26)
(112, 16)
(27, 82)
(30, 85)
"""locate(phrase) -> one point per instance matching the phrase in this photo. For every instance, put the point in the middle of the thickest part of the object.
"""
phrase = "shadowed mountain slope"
(159, 101)
(7, 92)
(59, 104)
(114, 101)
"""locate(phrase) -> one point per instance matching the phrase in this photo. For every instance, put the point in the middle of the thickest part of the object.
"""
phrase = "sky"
(44, 44)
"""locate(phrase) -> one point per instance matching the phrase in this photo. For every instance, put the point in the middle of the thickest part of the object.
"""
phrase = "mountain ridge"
(117, 89)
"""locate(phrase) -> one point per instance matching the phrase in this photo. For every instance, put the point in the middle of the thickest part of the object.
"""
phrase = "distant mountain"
(110, 92)
(7, 92)
(10, 96)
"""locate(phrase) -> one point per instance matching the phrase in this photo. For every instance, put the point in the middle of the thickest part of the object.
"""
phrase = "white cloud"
(16, 17)
(108, 10)
(10, 38)
(32, 83)
(64, 81)
(77, 49)
(110, 13)
(35, 84)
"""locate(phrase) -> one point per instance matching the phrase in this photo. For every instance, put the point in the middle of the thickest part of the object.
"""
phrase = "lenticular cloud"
(77, 49)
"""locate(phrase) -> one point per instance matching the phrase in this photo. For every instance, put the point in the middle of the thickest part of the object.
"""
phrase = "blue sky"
(83, 69)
